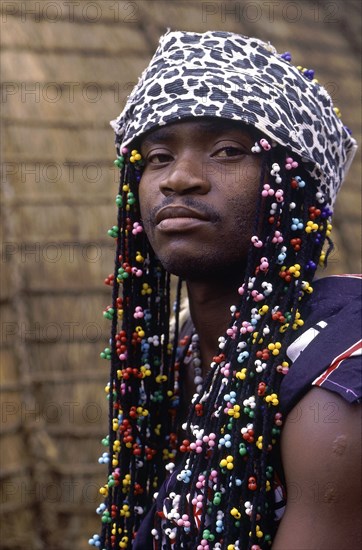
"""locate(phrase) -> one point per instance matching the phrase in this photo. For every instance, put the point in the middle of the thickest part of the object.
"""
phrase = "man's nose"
(187, 175)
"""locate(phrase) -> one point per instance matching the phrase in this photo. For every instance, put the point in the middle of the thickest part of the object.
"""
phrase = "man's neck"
(210, 311)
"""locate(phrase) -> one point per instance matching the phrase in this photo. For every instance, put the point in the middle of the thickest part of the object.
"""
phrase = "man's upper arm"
(322, 464)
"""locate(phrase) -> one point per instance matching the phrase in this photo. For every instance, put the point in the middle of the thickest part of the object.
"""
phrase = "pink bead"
(264, 264)
(137, 228)
(267, 190)
(279, 195)
(256, 296)
(277, 237)
(256, 241)
(290, 163)
(265, 144)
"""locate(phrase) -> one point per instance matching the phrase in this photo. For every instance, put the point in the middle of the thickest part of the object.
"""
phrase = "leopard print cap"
(221, 74)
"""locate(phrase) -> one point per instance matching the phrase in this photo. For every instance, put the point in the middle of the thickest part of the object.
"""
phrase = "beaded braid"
(234, 422)
(282, 280)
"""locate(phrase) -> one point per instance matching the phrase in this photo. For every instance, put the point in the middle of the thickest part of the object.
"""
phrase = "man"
(230, 163)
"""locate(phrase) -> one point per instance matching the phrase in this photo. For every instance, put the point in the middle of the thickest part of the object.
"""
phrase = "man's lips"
(172, 212)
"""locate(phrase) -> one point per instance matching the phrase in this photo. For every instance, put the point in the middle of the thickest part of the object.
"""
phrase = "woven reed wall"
(66, 69)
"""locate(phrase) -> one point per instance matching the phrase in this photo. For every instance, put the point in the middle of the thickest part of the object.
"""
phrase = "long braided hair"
(224, 454)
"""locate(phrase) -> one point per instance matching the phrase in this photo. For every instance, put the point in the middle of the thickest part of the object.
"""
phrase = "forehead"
(201, 125)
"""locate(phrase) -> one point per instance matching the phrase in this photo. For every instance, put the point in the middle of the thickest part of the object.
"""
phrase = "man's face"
(198, 196)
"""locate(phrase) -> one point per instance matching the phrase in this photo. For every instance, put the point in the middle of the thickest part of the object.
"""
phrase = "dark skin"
(198, 189)
(198, 194)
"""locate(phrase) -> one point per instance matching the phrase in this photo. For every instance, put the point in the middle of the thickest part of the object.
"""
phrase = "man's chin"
(202, 269)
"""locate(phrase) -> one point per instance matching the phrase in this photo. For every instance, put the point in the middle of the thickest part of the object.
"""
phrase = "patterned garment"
(327, 354)
(225, 75)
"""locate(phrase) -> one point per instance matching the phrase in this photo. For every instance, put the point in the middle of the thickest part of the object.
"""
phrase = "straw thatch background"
(66, 69)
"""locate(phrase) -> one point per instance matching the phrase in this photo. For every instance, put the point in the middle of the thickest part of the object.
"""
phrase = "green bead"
(119, 161)
(242, 449)
(113, 232)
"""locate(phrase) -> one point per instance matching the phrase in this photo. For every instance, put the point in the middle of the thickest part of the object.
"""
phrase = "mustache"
(188, 202)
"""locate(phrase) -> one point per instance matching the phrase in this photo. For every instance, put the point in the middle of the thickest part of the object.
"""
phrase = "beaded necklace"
(193, 359)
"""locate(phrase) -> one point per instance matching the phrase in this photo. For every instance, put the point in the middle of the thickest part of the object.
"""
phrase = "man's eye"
(226, 152)
(158, 158)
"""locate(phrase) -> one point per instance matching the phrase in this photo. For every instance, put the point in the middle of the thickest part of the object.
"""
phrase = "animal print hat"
(225, 75)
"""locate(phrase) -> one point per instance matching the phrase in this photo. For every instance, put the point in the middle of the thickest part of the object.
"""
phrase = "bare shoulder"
(321, 454)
